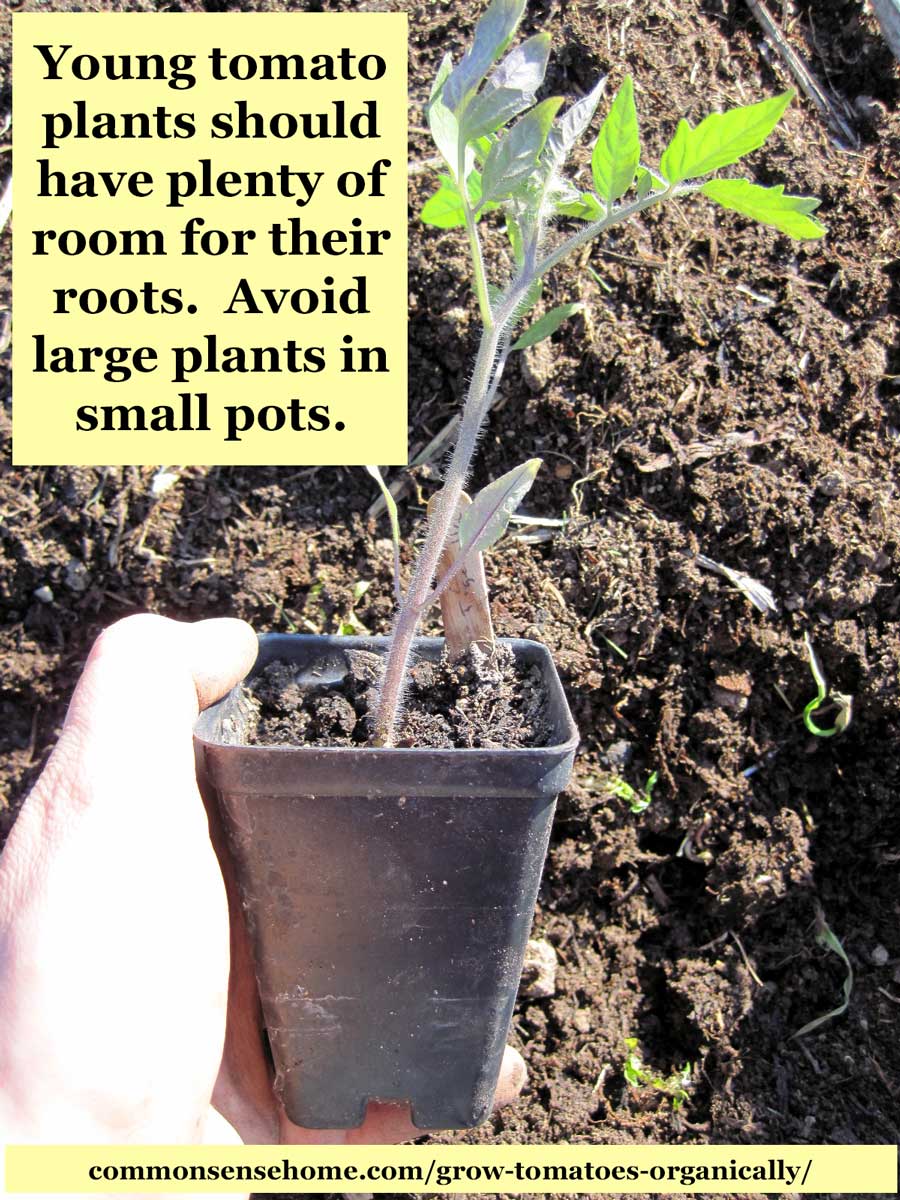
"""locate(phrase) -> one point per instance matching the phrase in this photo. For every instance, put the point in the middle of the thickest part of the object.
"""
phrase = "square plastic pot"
(389, 895)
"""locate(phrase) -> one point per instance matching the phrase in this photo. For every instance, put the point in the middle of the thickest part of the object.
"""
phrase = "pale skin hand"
(118, 1019)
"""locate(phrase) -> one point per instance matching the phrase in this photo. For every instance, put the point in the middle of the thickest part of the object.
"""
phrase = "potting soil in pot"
(482, 701)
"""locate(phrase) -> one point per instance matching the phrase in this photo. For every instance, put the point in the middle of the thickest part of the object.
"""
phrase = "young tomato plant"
(506, 153)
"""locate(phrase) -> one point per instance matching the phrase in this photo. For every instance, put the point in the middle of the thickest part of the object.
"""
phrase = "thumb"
(109, 875)
(146, 674)
(126, 737)
(143, 684)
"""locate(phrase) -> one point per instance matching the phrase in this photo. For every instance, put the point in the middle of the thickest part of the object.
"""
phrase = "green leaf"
(676, 152)
(768, 205)
(645, 799)
(482, 148)
(444, 209)
(524, 68)
(644, 183)
(492, 109)
(443, 72)
(585, 207)
(547, 324)
(485, 520)
(493, 33)
(445, 133)
(617, 151)
(514, 156)
(351, 626)
(721, 138)
(514, 233)
(826, 937)
(510, 90)
(575, 121)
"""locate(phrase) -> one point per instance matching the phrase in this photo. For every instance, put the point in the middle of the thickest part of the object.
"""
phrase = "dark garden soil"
(725, 392)
(482, 701)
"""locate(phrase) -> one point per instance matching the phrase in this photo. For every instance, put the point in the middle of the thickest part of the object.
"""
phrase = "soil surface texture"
(724, 392)
(483, 701)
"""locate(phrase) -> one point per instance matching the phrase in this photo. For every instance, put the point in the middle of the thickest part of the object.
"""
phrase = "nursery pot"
(389, 895)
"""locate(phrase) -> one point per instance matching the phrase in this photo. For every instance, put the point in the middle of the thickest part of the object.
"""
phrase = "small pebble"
(162, 481)
(582, 1020)
(724, 697)
(77, 576)
(880, 956)
(44, 594)
(831, 484)
(619, 754)
(537, 364)
(539, 971)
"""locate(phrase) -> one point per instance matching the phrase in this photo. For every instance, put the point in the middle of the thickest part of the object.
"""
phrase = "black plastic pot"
(389, 895)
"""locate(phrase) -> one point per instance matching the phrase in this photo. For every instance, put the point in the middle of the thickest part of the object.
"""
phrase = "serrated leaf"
(493, 33)
(768, 205)
(485, 520)
(617, 151)
(721, 138)
(514, 156)
(547, 324)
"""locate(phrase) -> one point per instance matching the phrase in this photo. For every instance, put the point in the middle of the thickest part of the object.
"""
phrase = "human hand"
(128, 1002)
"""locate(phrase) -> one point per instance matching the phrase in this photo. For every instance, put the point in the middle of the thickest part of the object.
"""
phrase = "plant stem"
(481, 287)
(589, 232)
(441, 522)
(489, 363)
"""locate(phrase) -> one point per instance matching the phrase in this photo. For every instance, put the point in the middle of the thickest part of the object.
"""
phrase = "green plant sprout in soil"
(675, 1086)
(505, 154)
(842, 702)
(638, 802)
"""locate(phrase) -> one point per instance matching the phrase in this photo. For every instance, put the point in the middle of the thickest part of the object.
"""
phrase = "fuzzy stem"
(440, 523)
(481, 286)
(589, 232)
(492, 354)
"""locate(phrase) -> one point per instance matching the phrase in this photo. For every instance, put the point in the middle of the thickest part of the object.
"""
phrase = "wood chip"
(806, 81)
(465, 606)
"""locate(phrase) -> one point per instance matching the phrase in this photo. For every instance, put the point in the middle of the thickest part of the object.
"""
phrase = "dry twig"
(806, 81)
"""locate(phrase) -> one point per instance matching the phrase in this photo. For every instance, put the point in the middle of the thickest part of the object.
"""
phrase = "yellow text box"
(486, 1170)
(209, 260)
